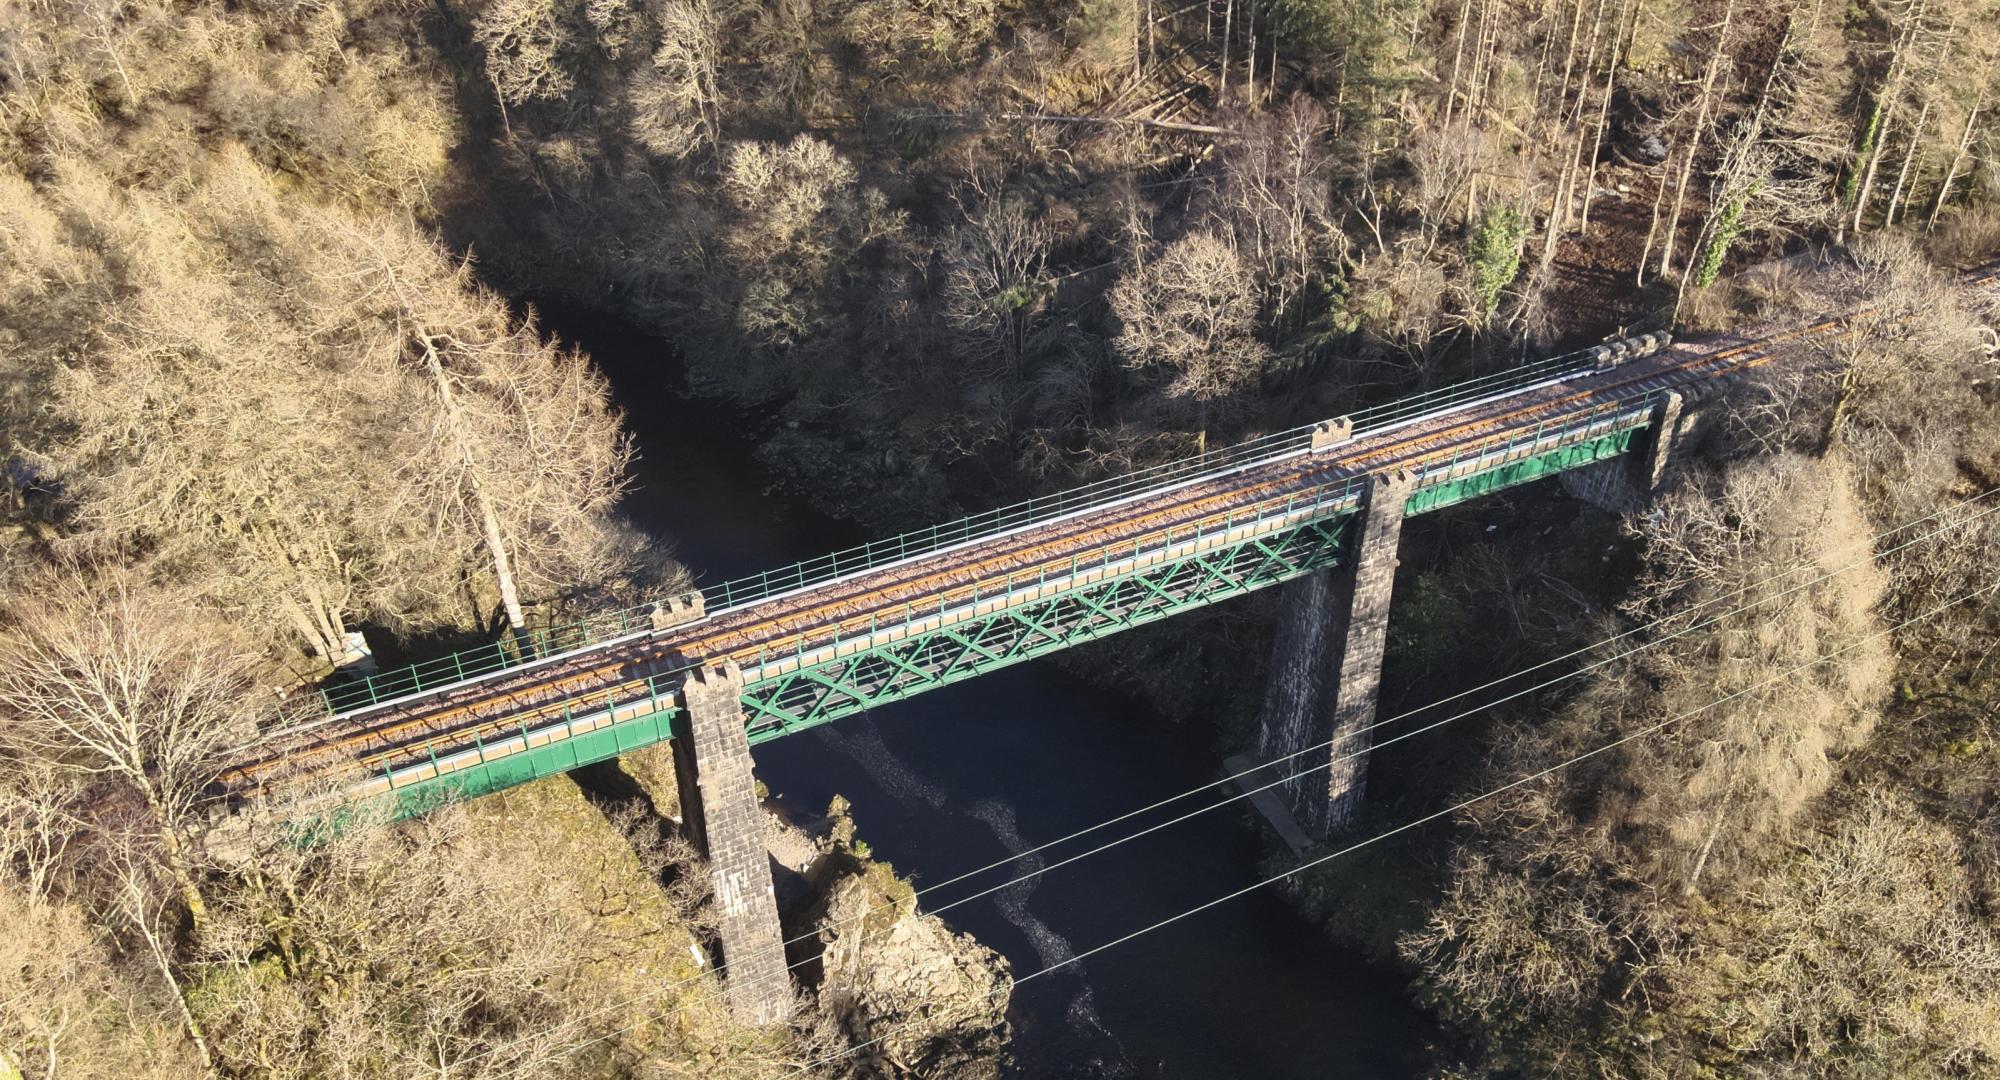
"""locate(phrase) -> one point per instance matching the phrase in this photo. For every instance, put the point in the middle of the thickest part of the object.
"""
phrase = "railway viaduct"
(1317, 510)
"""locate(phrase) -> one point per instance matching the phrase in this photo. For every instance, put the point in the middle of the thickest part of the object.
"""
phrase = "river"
(970, 774)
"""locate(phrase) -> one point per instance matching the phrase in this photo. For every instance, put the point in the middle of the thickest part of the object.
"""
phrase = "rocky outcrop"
(925, 1001)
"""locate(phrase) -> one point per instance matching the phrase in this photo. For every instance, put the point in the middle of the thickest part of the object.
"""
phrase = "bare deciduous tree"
(799, 220)
(517, 443)
(996, 279)
(677, 108)
(117, 682)
(1192, 311)
(221, 431)
(1867, 944)
(1276, 195)
(526, 43)
(1593, 878)
(433, 948)
(1909, 321)
(1747, 770)
(311, 417)
(1705, 106)
(71, 1011)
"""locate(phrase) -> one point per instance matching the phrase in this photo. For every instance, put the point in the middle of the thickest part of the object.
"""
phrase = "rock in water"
(936, 1000)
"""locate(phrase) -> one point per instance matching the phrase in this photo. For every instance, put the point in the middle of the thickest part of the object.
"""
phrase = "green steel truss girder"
(890, 668)
(900, 667)
(586, 735)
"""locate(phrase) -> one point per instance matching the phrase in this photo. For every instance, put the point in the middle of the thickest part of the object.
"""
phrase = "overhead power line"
(1602, 662)
(1428, 818)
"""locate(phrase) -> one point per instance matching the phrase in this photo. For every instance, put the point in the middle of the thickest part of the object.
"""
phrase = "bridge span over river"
(760, 658)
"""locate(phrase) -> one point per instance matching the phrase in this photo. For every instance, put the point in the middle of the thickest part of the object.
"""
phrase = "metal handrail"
(544, 642)
(1630, 411)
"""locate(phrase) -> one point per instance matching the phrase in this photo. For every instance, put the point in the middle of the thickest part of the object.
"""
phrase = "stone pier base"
(720, 812)
(1326, 667)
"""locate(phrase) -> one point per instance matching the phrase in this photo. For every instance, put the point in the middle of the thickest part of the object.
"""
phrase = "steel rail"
(736, 646)
(1089, 498)
(809, 628)
(499, 658)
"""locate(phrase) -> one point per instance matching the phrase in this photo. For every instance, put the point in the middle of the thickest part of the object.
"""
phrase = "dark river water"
(962, 777)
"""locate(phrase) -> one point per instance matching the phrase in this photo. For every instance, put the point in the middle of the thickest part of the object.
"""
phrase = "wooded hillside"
(268, 385)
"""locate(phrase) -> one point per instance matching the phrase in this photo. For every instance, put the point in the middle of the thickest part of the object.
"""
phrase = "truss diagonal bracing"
(901, 664)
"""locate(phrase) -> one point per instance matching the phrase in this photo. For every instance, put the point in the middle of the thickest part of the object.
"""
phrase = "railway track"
(393, 734)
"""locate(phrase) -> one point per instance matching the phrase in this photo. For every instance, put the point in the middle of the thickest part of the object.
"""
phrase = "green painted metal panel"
(507, 653)
(417, 796)
(1575, 456)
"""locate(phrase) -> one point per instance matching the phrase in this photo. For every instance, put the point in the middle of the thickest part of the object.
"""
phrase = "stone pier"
(723, 819)
(1326, 666)
(1629, 482)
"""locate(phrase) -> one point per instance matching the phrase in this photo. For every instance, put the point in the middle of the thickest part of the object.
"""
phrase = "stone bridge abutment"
(1630, 482)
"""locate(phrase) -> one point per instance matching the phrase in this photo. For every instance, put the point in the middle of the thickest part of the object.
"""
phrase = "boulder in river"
(935, 1000)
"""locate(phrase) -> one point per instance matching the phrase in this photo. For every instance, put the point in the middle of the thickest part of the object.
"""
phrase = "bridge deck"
(627, 677)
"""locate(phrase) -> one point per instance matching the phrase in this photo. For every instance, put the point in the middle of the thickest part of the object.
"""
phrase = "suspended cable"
(1426, 819)
(1652, 643)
